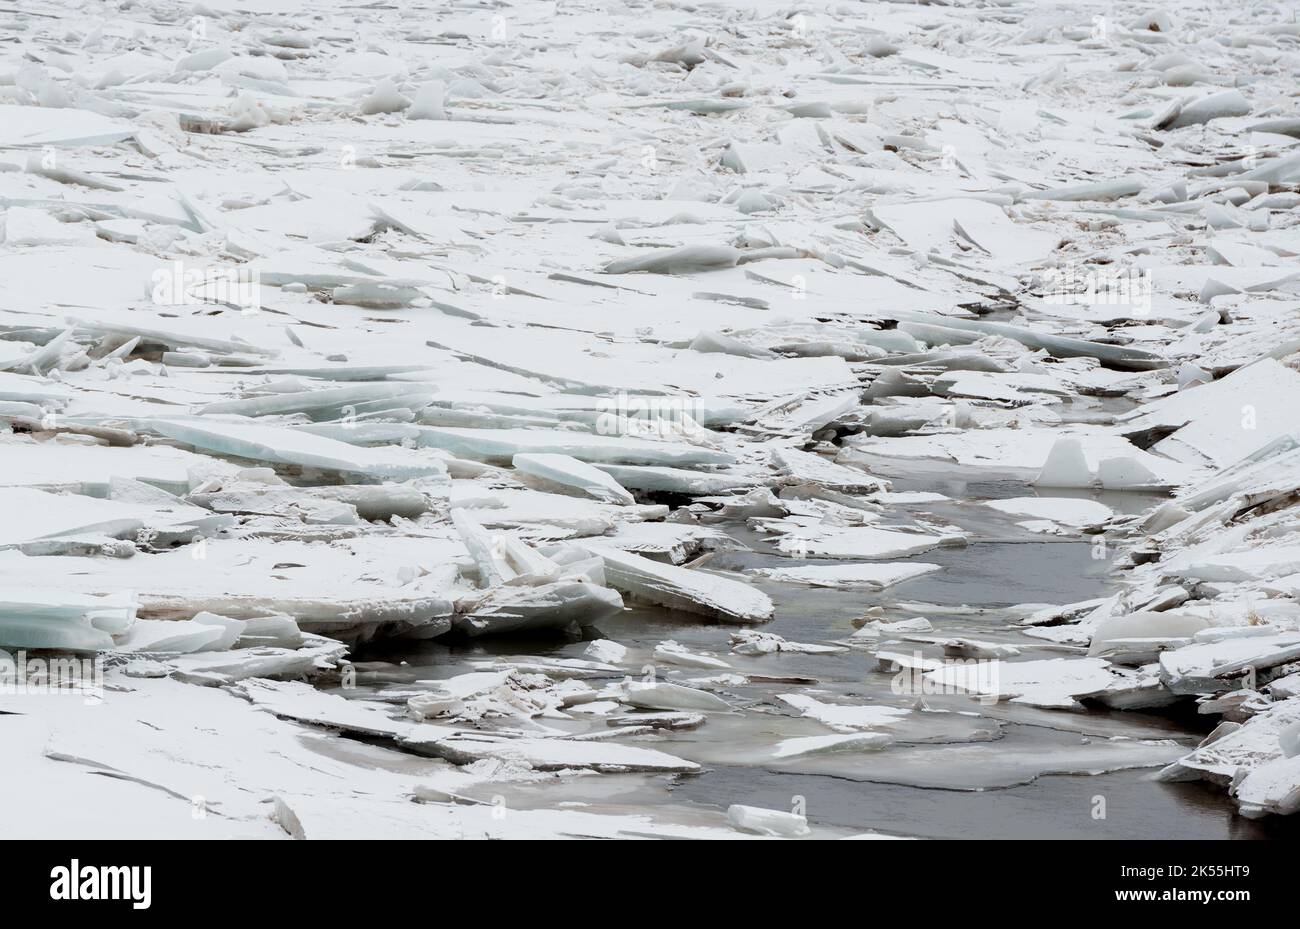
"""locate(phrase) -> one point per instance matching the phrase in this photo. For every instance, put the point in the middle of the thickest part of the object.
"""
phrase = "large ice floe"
(578, 420)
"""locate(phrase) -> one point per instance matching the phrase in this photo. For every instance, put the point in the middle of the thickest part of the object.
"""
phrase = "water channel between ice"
(965, 769)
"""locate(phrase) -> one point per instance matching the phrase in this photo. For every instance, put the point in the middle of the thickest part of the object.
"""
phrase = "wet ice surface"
(548, 419)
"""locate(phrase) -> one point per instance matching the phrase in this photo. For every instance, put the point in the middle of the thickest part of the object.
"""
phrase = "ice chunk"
(34, 514)
(1272, 787)
(1051, 682)
(227, 667)
(683, 589)
(560, 605)
(570, 472)
(182, 637)
(752, 642)
(547, 754)
(1066, 466)
(384, 98)
(854, 576)
(800, 467)
(845, 717)
(1065, 510)
(1118, 356)
(1137, 638)
(1211, 667)
(805, 746)
(483, 694)
(35, 126)
(499, 446)
(333, 401)
(664, 695)
(860, 542)
(34, 617)
(605, 651)
(1253, 405)
(931, 224)
(428, 102)
(290, 446)
(1250, 760)
(676, 480)
(672, 653)
(685, 260)
(1194, 112)
(767, 822)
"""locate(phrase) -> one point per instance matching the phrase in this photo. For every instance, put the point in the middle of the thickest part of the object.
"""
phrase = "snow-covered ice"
(499, 399)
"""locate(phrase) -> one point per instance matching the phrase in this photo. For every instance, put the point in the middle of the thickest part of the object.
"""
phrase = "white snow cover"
(612, 332)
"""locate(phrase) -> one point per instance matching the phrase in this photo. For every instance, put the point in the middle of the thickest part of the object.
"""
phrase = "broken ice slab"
(672, 653)
(1020, 454)
(1251, 761)
(558, 606)
(932, 224)
(379, 502)
(1067, 511)
(767, 822)
(21, 387)
(823, 744)
(604, 415)
(1213, 667)
(1271, 466)
(551, 754)
(687, 259)
(861, 542)
(1210, 422)
(280, 500)
(672, 542)
(483, 694)
(665, 695)
(1192, 112)
(314, 655)
(493, 569)
(1053, 682)
(37, 617)
(664, 720)
(500, 446)
(806, 416)
(1138, 638)
(350, 588)
(348, 615)
(606, 651)
(301, 701)
(551, 515)
(846, 717)
(853, 576)
(180, 637)
(683, 589)
(875, 629)
(34, 514)
(32, 126)
(753, 642)
(652, 479)
(315, 400)
(1125, 358)
(1272, 787)
(282, 445)
(1099, 190)
(963, 647)
(1132, 689)
(1265, 563)
(799, 467)
(567, 471)
(167, 337)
